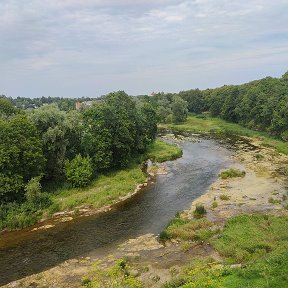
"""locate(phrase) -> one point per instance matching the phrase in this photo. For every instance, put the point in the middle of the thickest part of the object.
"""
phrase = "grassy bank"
(104, 190)
(207, 124)
(253, 249)
(161, 151)
(257, 244)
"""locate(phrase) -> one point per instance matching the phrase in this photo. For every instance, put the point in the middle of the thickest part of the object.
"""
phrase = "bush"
(15, 216)
(214, 205)
(259, 156)
(79, 171)
(274, 201)
(199, 211)
(35, 198)
(224, 197)
(232, 173)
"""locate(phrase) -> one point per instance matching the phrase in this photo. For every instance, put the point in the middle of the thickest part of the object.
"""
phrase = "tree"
(97, 136)
(195, 100)
(50, 122)
(122, 124)
(179, 109)
(79, 171)
(7, 108)
(21, 156)
(146, 126)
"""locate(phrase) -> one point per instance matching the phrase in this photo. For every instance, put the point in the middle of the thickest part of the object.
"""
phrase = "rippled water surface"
(22, 253)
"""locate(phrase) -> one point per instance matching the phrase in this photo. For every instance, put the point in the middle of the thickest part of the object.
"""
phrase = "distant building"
(79, 105)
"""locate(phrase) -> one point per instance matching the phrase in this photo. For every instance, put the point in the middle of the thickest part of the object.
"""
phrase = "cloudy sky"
(75, 48)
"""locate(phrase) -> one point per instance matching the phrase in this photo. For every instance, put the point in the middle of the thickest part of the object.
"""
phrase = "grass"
(207, 124)
(116, 276)
(231, 173)
(188, 230)
(103, 191)
(161, 151)
(199, 211)
(258, 242)
(224, 197)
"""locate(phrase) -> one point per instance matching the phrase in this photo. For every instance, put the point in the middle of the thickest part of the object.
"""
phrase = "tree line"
(260, 105)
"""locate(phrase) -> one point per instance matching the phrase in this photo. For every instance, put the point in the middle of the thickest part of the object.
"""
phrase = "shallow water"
(24, 253)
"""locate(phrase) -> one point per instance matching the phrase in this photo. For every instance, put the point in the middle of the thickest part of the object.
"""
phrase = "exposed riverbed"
(25, 252)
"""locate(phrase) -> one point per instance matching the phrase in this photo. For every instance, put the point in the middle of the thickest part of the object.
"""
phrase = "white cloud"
(115, 38)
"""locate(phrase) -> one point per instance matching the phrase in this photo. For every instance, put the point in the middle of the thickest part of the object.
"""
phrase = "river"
(24, 253)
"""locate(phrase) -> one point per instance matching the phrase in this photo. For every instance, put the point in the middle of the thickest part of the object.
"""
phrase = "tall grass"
(259, 242)
(161, 151)
(194, 230)
(102, 191)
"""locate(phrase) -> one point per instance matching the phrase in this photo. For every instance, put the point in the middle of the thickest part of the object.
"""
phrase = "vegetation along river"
(24, 253)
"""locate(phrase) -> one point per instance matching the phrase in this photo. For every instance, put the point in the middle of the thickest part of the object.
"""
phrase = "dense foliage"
(260, 105)
(79, 171)
(52, 144)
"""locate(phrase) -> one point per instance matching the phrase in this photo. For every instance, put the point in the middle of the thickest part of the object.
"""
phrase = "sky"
(75, 48)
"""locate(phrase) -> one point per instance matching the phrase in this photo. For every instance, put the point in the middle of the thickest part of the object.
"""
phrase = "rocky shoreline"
(262, 190)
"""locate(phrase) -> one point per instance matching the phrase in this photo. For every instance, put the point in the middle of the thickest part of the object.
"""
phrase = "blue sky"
(75, 48)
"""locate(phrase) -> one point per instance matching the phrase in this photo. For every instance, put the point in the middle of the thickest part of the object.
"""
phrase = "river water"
(24, 253)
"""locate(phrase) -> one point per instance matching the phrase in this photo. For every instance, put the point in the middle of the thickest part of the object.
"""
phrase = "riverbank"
(240, 240)
(179, 261)
(263, 188)
(106, 191)
(203, 123)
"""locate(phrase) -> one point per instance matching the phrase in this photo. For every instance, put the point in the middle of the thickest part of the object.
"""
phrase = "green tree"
(97, 136)
(195, 100)
(7, 108)
(179, 109)
(122, 124)
(79, 171)
(146, 126)
(21, 156)
(50, 122)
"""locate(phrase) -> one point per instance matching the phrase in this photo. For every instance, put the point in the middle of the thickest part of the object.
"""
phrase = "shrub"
(259, 156)
(286, 171)
(224, 197)
(35, 198)
(284, 136)
(79, 171)
(214, 205)
(199, 211)
(232, 173)
(274, 201)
